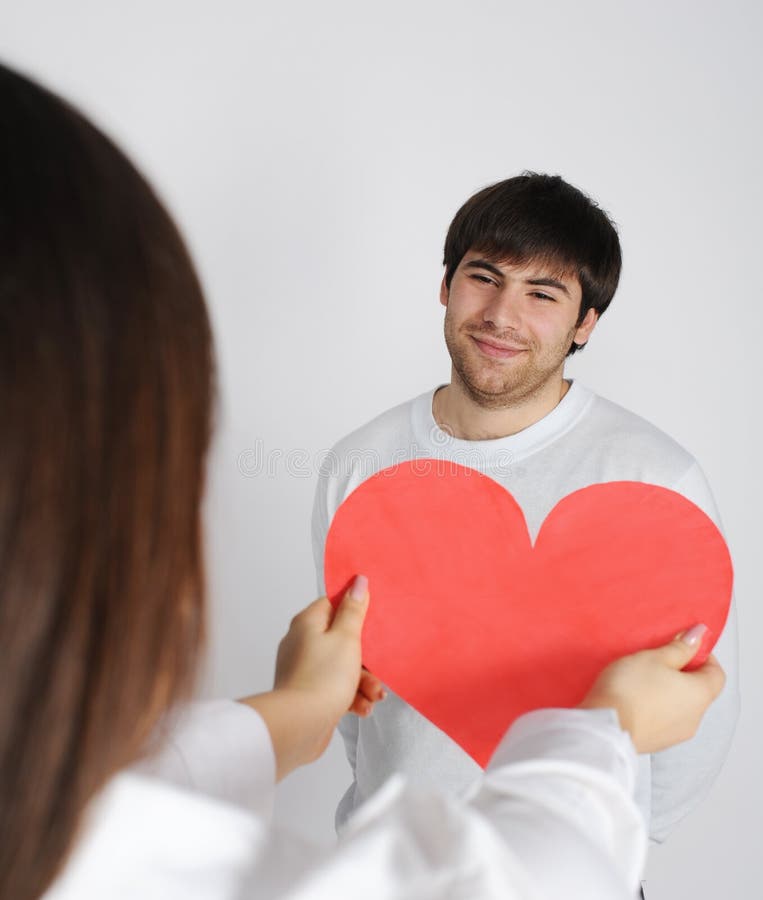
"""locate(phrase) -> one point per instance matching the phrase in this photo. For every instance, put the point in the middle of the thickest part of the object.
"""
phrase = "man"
(531, 264)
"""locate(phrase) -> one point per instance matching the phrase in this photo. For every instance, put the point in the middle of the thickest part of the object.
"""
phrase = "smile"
(497, 351)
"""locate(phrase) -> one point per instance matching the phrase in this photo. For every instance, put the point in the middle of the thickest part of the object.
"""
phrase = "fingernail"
(694, 635)
(359, 588)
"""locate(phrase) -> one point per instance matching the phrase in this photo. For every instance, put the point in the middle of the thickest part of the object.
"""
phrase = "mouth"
(495, 349)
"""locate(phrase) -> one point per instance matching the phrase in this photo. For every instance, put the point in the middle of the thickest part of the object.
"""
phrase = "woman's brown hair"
(106, 388)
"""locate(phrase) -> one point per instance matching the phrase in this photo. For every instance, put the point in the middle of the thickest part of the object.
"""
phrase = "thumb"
(683, 648)
(351, 612)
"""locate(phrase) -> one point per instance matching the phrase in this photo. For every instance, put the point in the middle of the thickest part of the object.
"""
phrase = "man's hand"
(657, 703)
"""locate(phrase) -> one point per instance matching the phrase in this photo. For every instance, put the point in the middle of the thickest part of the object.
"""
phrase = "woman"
(106, 391)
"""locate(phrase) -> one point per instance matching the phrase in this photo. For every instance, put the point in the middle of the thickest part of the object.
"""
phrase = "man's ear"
(583, 331)
(444, 292)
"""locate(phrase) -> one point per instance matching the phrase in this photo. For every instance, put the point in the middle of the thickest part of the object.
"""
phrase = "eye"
(483, 279)
(539, 295)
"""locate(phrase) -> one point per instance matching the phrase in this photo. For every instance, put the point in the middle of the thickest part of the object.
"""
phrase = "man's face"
(508, 327)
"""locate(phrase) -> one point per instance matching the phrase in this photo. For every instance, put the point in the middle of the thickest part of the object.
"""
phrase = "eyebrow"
(540, 282)
(483, 264)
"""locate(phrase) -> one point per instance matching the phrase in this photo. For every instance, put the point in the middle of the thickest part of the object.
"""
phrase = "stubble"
(498, 384)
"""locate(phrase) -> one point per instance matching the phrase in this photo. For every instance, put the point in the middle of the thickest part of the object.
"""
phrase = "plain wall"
(314, 154)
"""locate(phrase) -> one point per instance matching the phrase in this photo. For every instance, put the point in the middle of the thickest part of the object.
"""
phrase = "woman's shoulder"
(144, 837)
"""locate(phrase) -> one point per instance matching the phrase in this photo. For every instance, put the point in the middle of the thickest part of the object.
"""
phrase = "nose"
(504, 309)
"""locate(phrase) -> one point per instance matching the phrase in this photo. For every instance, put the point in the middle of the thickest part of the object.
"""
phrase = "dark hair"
(106, 388)
(540, 218)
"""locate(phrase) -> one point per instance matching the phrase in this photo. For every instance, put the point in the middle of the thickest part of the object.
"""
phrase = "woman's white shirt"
(554, 817)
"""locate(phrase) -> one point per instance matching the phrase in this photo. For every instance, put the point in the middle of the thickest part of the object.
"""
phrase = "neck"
(460, 415)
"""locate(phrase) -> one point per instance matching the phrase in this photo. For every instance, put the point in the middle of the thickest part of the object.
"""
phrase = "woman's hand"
(657, 703)
(318, 679)
(320, 655)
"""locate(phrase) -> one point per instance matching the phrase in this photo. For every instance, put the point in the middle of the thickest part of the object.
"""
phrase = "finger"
(370, 686)
(351, 612)
(683, 648)
(361, 706)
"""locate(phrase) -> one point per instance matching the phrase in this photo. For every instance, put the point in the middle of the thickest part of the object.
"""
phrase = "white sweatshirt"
(584, 440)
(552, 817)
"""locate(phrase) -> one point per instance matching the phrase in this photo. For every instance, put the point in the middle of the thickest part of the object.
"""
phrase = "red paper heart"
(474, 626)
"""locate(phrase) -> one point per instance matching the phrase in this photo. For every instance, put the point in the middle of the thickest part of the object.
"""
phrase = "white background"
(314, 154)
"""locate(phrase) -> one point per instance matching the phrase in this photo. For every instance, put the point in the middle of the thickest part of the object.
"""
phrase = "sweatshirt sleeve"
(552, 817)
(219, 748)
(683, 775)
(565, 779)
